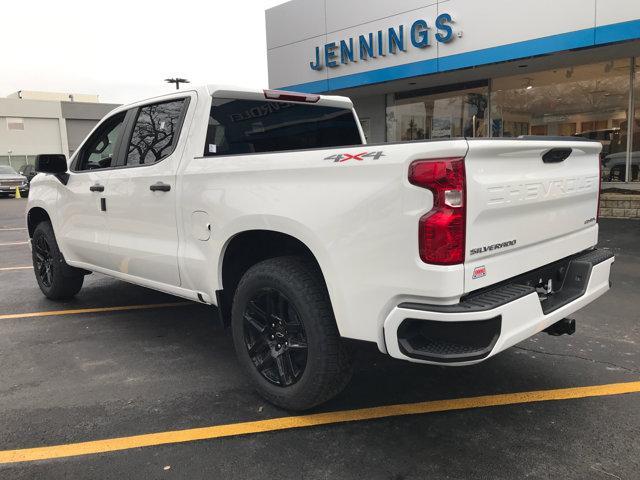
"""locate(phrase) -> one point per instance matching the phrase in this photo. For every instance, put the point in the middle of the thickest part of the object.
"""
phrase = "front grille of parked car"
(10, 183)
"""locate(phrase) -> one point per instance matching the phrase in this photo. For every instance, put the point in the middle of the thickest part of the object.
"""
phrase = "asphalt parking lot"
(86, 371)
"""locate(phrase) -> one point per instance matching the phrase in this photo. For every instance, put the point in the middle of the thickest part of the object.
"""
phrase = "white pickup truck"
(272, 206)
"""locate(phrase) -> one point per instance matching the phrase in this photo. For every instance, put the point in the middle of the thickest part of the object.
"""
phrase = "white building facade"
(420, 69)
(29, 127)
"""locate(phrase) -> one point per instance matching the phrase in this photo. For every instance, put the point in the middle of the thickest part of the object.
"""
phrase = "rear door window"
(155, 132)
(250, 126)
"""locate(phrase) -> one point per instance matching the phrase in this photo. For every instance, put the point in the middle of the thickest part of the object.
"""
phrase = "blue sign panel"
(382, 43)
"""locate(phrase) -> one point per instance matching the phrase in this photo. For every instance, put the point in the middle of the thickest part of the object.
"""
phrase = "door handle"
(96, 188)
(160, 187)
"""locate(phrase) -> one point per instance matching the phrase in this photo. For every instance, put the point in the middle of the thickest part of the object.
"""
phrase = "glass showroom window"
(428, 114)
(590, 101)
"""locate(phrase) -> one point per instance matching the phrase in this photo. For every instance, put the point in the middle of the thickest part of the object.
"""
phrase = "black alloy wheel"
(56, 279)
(285, 334)
(275, 338)
(43, 260)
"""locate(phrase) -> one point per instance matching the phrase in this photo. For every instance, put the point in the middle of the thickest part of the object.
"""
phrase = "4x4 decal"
(343, 157)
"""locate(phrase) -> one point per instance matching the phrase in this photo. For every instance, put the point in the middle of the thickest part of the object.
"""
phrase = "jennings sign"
(382, 43)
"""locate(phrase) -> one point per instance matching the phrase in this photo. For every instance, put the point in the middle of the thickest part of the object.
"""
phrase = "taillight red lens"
(599, 189)
(441, 236)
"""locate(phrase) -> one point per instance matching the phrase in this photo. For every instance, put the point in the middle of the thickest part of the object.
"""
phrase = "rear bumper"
(485, 324)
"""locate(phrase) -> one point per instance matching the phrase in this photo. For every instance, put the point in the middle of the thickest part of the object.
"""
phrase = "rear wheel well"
(245, 250)
(35, 216)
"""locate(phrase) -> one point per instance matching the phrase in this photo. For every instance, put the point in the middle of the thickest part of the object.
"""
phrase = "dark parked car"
(10, 180)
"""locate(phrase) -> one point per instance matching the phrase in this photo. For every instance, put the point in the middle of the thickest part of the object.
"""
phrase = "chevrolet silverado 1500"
(271, 206)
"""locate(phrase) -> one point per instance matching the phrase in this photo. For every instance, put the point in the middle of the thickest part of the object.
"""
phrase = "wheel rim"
(44, 260)
(275, 338)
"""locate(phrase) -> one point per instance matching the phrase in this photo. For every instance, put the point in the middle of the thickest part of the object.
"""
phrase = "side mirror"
(51, 163)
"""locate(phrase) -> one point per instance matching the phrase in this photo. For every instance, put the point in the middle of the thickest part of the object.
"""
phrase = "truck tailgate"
(526, 208)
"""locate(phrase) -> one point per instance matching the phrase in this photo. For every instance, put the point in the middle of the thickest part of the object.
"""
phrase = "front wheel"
(285, 334)
(57, 280)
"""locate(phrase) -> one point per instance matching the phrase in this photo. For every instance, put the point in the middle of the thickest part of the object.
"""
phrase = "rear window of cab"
(253, 126)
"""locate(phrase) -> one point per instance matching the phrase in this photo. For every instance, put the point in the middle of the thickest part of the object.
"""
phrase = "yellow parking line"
(12, 243)
(6, 269)
(303, 421)
(93, 310)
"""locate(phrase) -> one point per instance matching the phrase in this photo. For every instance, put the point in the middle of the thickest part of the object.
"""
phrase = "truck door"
(141, 205)
(83, 221)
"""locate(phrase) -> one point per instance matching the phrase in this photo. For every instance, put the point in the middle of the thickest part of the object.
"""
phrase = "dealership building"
(452, 68)
(34, 122)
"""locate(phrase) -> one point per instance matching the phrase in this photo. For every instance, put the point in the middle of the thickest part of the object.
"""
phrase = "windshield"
(6, 169)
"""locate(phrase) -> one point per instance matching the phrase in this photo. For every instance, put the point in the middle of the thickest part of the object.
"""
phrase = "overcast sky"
(122, 50)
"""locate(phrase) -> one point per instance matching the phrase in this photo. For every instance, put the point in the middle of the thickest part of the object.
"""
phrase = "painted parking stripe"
(94, 310)
(304, 421)
(6, 269)
(11, 229)
(12, 243)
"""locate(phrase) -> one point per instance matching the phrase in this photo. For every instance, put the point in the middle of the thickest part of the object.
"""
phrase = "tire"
(57, 280)
(300, 305)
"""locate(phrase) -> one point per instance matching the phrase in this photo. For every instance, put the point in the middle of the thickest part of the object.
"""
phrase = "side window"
(99, 150)
(155, 132)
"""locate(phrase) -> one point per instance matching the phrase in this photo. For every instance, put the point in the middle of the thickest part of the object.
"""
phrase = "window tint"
(249, 126)
(99, 150)
(155, 132)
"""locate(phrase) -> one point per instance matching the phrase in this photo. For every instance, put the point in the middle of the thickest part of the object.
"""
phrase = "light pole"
(177, 81)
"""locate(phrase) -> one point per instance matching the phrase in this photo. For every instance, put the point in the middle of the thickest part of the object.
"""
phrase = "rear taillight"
(599, 189)
(442, 230)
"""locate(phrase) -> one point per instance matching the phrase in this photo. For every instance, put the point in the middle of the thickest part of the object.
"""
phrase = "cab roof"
(227, 91)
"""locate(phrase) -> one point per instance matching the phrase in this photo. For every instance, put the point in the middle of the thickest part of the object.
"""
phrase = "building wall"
(483, 32)
(496, 68)
(85, 111)
(13, 107)
(80, 118)
(44, 127)
(77, 131)
(40, 135)
(616, 205)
